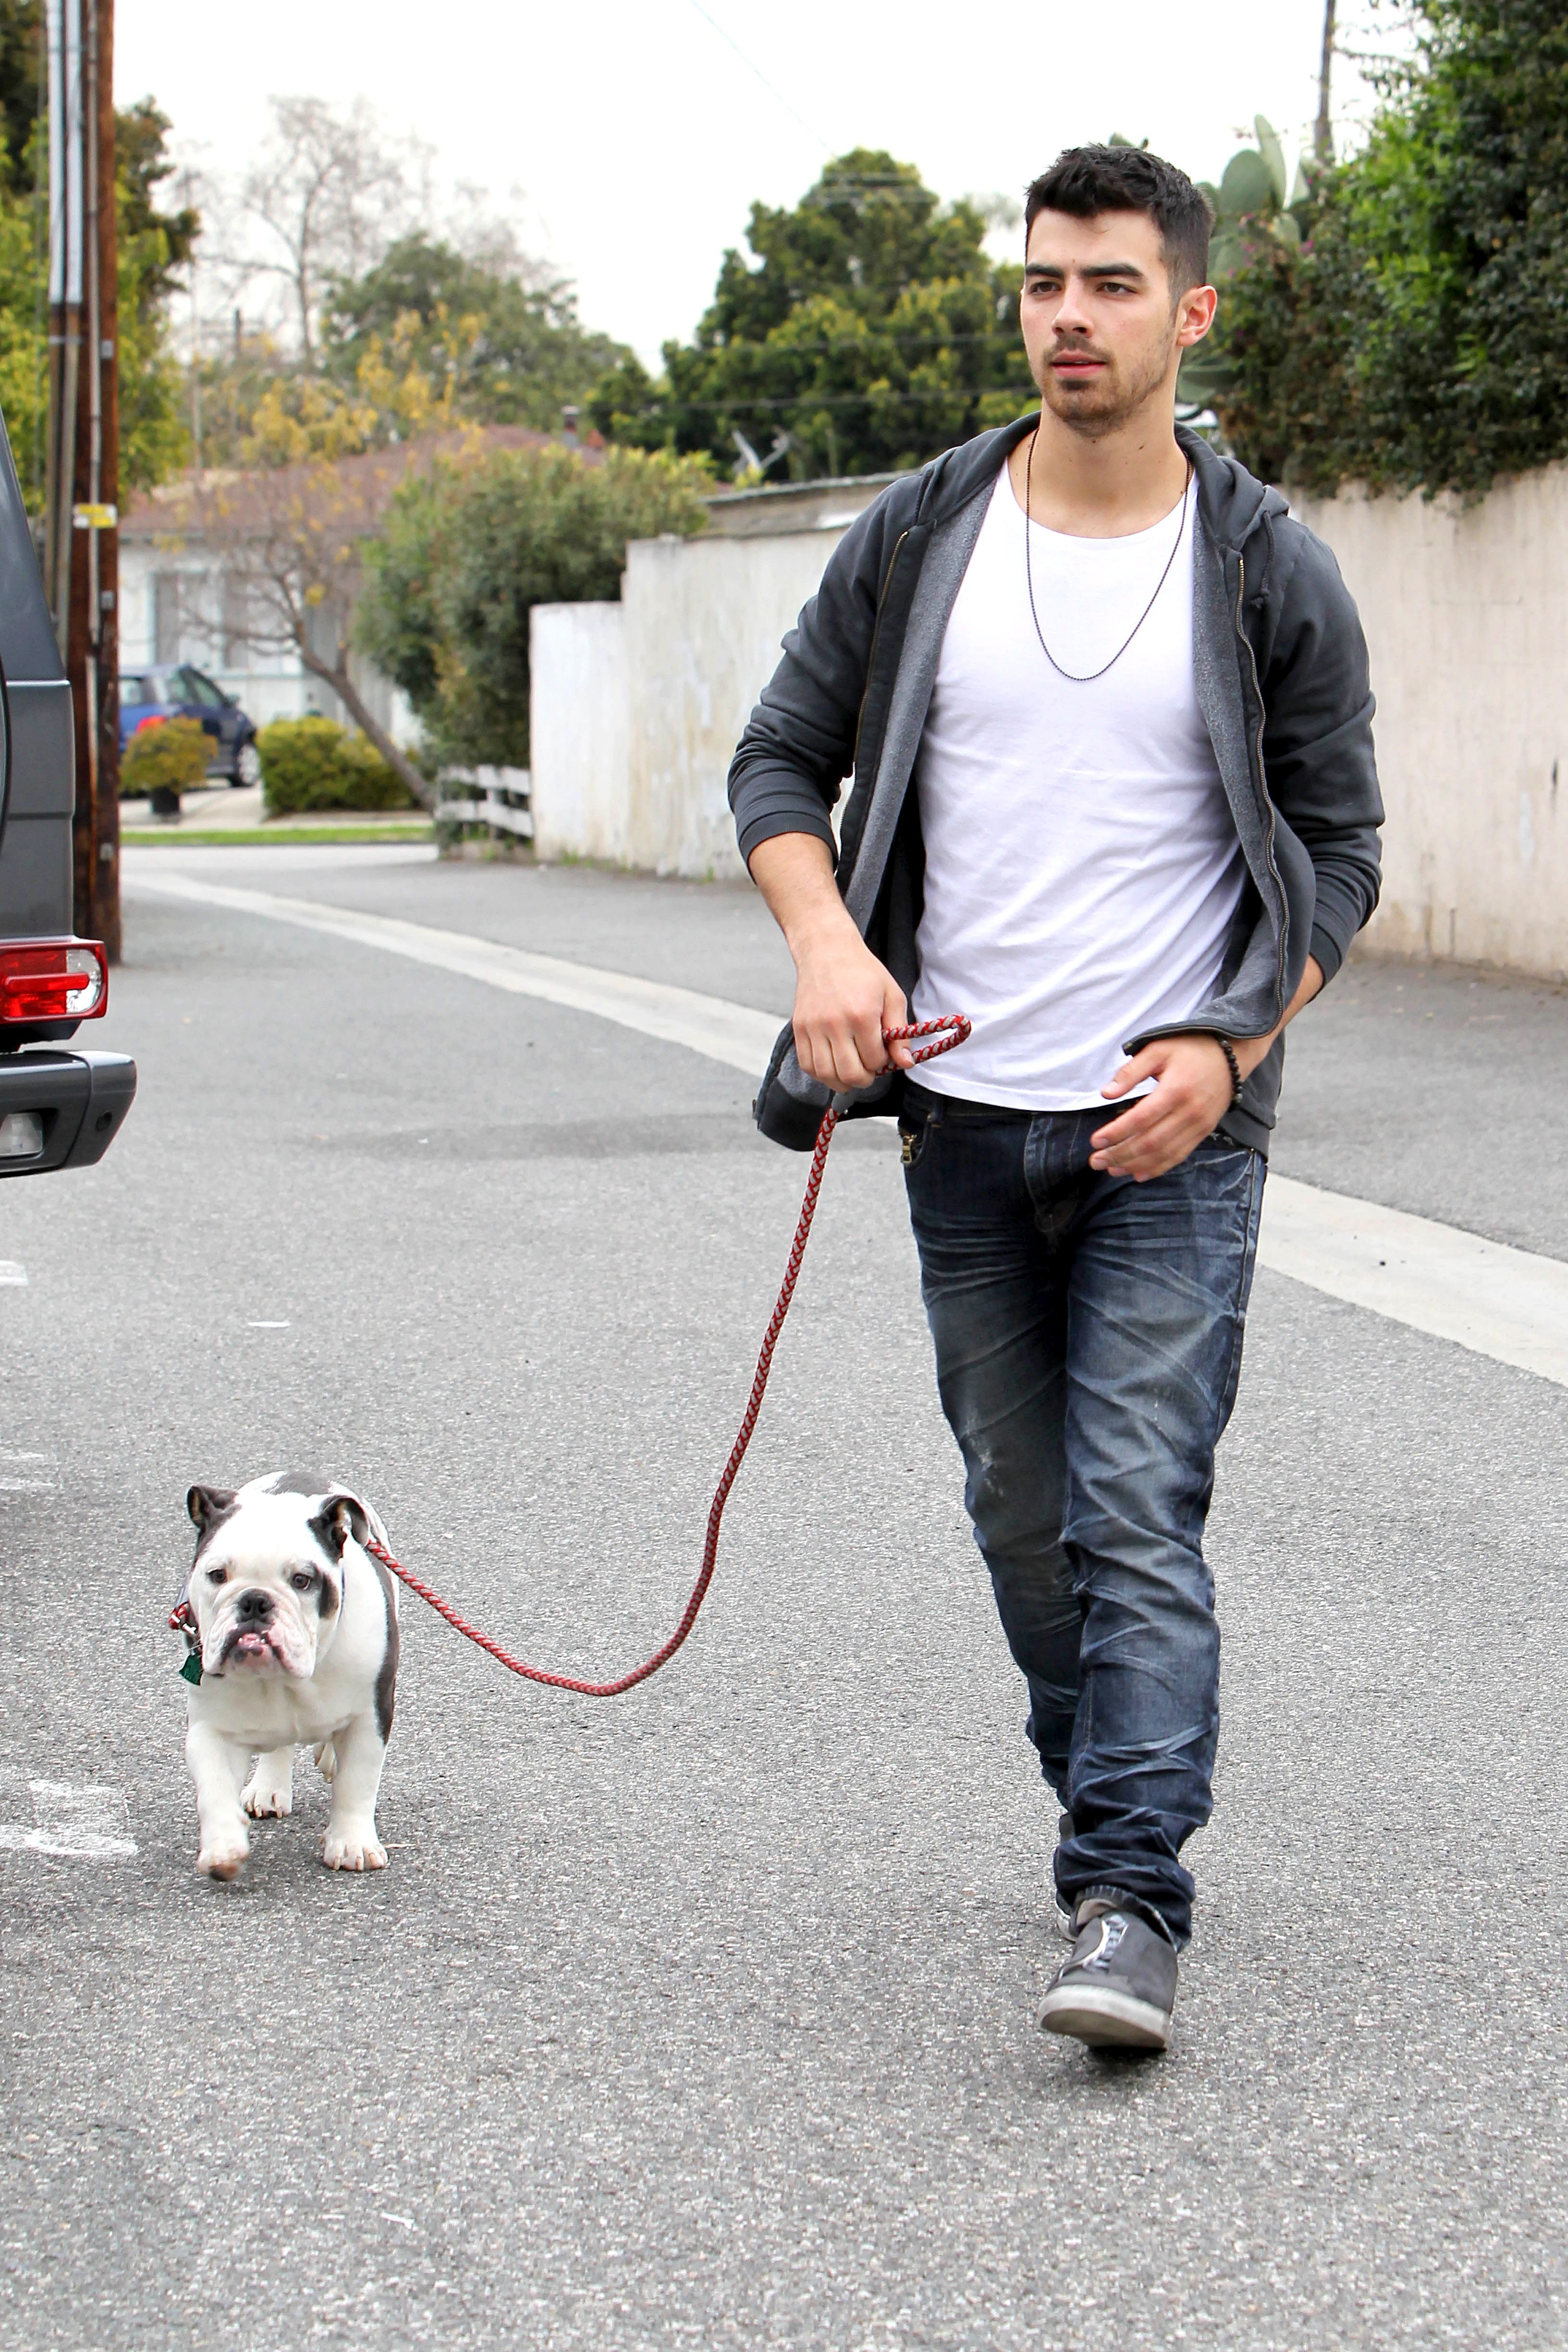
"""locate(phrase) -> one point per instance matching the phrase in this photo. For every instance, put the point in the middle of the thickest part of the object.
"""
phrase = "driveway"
(706, 2016)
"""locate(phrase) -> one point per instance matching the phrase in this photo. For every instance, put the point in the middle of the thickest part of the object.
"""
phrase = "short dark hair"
(1084, 181)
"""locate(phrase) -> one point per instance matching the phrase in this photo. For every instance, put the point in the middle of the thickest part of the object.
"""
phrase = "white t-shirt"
(1082, 866)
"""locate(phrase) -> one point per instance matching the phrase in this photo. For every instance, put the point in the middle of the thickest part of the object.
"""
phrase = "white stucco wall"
(1466, 611)
(579, 715)
(636, 707)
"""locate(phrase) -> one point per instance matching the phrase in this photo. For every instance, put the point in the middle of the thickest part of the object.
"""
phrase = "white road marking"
(680, 1016)
(1507, 1304)
(11, 1272)
(86, 1824)
(10, 1458)
(267, 1326)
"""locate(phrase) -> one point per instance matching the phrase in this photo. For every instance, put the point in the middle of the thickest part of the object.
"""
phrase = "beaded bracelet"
(1228, 1050)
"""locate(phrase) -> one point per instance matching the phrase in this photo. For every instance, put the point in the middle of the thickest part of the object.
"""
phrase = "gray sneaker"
(1067, 1913)
(1119, 1986)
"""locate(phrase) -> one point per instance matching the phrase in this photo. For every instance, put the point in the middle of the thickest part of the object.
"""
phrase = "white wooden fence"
(500, 798)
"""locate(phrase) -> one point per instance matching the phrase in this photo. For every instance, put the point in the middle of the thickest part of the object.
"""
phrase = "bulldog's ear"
(339, 1517)
(208, 1505)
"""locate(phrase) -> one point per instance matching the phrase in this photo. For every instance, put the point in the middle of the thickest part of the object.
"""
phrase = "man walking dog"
(1107, 713)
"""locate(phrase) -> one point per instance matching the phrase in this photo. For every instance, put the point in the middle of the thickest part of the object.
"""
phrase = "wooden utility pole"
(81, 534)
(1324, 137)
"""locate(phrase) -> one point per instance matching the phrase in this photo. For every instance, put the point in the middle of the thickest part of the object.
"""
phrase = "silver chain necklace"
(1089, 676)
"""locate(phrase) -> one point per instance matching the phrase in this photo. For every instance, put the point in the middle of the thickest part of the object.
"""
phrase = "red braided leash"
(948, 1033)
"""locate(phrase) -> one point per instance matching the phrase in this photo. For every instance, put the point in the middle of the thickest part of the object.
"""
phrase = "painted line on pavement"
(680, 1016)
(82, 1823)
(1507, 1304)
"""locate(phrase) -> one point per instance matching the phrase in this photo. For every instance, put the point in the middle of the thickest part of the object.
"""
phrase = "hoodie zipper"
(1262, 780)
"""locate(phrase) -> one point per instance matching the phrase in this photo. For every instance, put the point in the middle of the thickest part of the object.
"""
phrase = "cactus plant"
(1252, 201)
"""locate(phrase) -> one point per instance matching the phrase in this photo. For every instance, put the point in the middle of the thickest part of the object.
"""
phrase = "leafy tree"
(516, 349)
(1420, 334)
(471, 544)
(871, 329)
(21, 54)
(154, 247)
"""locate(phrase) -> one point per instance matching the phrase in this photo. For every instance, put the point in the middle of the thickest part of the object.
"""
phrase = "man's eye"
(300, 1581)
(217, 1576)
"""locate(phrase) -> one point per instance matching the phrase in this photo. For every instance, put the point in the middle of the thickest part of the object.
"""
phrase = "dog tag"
(191, 1672)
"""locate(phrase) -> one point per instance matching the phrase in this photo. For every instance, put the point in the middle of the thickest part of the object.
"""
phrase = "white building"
(178, 603)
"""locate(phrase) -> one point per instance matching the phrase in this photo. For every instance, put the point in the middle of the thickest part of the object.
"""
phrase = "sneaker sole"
(1105, 2019)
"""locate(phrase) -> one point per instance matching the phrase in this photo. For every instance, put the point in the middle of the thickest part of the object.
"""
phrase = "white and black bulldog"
(291, 1633)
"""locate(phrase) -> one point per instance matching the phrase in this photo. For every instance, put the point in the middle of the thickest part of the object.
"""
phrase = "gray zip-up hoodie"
(1280, 669)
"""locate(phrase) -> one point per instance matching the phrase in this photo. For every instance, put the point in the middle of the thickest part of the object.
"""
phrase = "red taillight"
(154, 718)
(53, 980)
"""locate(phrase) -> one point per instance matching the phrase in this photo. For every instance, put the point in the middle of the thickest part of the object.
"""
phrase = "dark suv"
(176, 690)
(57, 1108)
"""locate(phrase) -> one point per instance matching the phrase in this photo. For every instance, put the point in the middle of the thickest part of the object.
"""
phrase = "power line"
(883, 398)
(900, 338)
(809, 128)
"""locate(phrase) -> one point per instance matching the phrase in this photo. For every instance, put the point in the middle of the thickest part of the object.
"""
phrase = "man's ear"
(1195, 315)
(208, 1505)
(339, 1517)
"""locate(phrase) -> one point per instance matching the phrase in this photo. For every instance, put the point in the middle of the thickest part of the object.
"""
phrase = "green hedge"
(1417, 336)
(312, 763)
(173, 753)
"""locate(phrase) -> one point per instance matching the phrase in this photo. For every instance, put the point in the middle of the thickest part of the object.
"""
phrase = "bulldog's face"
(267, 1586)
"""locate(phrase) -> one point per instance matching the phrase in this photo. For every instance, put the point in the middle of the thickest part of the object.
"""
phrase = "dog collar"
(182, 1619)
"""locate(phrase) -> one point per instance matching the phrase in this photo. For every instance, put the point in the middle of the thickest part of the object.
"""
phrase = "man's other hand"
(1192, 1086)
(844, 998)
(1192, 1094)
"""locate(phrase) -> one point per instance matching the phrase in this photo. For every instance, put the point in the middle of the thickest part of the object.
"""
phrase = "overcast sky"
(629, 139)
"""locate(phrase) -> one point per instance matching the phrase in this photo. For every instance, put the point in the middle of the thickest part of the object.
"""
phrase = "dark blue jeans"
(1088, 1336)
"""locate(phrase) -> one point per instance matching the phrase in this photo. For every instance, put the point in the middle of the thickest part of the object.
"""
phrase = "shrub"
(312, 763)
(169, 757)
(1418, 336)
(473, 545)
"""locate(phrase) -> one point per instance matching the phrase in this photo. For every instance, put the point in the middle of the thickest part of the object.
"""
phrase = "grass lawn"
(173, 836)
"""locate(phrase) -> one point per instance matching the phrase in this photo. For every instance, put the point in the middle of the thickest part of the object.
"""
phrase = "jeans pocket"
(914, 1133)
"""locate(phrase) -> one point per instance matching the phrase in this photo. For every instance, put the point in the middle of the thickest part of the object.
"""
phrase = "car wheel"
(246, 765)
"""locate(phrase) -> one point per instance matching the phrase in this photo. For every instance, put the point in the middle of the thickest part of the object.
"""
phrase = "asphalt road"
(706, 2017)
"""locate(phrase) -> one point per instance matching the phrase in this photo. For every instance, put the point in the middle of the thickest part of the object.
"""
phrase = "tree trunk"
(1323, 140)
(336, 676)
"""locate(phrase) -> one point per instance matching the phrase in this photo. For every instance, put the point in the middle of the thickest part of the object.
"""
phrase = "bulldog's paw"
(225, 1857)
(353, 1849)
(265, 1802)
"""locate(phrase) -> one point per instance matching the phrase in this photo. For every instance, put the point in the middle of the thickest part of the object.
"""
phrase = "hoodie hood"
(1231, 500)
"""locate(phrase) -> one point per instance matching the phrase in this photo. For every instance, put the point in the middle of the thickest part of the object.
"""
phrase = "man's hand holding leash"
(844, 998)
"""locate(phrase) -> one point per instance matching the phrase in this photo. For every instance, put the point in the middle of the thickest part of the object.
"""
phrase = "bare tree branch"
(329, 194)
(289, 542)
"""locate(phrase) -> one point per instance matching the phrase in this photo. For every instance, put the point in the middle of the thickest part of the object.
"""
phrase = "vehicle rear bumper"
(80, 1100)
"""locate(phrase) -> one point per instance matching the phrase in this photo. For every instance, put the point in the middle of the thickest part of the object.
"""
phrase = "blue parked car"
(175, 690)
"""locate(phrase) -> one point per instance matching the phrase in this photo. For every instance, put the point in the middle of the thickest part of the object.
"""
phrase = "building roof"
(781, 507)
(174, 508)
